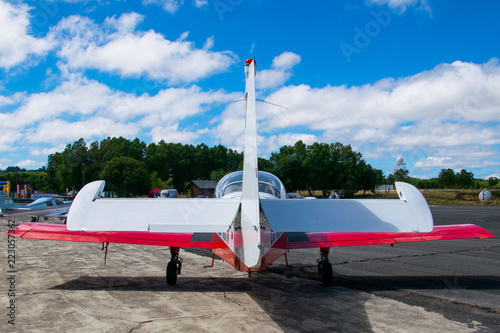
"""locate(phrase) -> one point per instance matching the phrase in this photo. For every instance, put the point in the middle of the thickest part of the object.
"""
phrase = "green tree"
(401, 175)
(289, 166)
(464, 179)
(65, 170)
(447, 178)
(323, 166)
(369, 178)
(37, 180)
(492, 182)
(126, 175)
(216, 175)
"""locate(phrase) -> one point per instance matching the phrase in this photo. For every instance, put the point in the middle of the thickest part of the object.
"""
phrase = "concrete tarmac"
(438, 286)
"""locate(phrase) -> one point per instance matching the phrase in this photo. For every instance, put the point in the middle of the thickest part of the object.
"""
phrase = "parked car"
(334, 195)
(169, 194)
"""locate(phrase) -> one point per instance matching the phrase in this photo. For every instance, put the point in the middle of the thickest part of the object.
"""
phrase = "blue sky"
(412, 78)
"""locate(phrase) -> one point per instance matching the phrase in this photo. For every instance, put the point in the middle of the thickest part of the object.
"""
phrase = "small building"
(202, 188)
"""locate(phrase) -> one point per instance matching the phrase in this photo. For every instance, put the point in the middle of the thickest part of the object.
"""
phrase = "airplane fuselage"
(257, 236)
(42, 207)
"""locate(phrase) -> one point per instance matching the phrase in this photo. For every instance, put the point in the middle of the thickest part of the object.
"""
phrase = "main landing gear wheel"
(172, 273)
(174, 266)
(326, 273)
(325, 267)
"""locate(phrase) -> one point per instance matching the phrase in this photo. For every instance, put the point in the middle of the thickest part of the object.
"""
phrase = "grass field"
(433, 197)
(443, 197)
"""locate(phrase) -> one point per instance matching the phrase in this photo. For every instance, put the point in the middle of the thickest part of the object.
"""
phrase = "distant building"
(202, 188)
(385, 188)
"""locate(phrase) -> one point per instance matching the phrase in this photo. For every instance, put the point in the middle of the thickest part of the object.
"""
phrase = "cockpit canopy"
(269, 185)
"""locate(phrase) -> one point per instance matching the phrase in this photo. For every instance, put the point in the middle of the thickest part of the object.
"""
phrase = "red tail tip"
(249, 61)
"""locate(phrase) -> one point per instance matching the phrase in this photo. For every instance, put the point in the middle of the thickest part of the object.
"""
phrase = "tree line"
(446, 179)
(132, 166)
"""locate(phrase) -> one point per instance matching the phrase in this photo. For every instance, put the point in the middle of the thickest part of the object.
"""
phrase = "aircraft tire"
(326, 273)
(171, 273)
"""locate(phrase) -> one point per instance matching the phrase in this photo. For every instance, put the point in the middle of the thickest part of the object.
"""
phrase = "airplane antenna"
(261, 100)
(244, 99)
(238, 100)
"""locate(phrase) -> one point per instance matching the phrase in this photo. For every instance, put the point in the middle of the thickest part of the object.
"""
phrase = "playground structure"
(24, 193)
(5, 186)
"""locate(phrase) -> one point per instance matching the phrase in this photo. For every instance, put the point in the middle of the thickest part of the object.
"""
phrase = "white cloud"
(231, 126)
(460, 157)
(433, 161)
(45, 151)
(402, 5)
(280, 72)
(80, 107)
(5, 163)
(200, 3)
(174, 104)
(170, 6)
(10, 100)
(16, 45)
(431, 114)
(172, 133)
(9, 138)
(285, 61)
(456, 163)
(273, 143)
(448, 116)
(27, 164)
(58, 130)
(459, 92)
(209, 43)
(126, 23)
(130, 53)
(76, 96)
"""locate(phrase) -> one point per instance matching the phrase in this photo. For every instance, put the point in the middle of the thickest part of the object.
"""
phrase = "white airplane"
(46, 207)
(250, 224)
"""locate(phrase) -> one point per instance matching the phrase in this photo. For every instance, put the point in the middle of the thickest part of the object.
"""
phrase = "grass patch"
(441, 197)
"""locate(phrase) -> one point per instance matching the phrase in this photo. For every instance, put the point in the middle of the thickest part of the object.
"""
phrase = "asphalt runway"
(438, 286)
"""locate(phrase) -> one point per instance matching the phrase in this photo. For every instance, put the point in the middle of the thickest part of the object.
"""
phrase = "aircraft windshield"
(268, 183)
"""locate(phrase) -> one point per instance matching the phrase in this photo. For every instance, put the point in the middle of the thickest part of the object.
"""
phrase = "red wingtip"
(249, 61)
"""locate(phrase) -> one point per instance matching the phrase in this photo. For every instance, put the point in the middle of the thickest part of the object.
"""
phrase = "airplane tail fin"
(250, 167)
(6, 203)
(250, 214)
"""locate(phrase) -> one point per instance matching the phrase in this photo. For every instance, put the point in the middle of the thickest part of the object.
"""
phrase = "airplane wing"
(409, 214)
(89, 212)
(18, 209)
(303, 240)
(61, 233)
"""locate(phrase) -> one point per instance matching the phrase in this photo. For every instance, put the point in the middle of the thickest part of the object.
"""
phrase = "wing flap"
(60, 233)
(333, 239)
